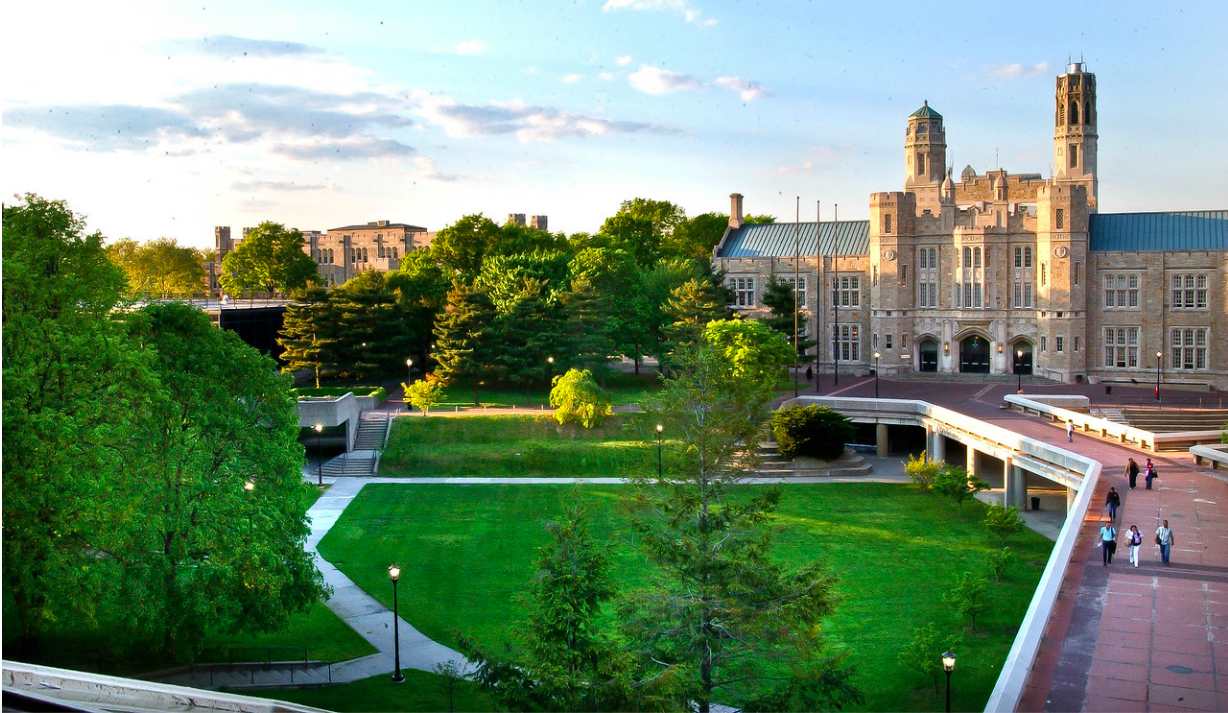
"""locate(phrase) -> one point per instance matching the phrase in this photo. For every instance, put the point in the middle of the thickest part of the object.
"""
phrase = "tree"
(999, 560)
(697, 237)
(564, 661)
(200, 552)
(664, 216)
(299, 337)
(576, 398)
(815, 431)
(1002, 522)
(723, 614)
(368, 333)
(921, 654)
(464, 337)
(636, 236)
(955, 483)
(755, 353)
(922, 471)
(424, 394)
(968, 596)
(784, 304)
(609, 305)
(589, 324)
(761, 218)
(72, 387)
(462, 247)
(270, 259)
(160, 268)
(528, 332)
(689, 309)
(421, 288)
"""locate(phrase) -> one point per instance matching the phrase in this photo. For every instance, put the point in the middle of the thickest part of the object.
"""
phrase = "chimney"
(735, 211)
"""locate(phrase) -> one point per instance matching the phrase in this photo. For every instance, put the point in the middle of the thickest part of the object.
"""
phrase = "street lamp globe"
(394, 572)
(1159, 354)
(249, 486)
(948, 661)
(319, 427)
(660, 428)
(409, 362)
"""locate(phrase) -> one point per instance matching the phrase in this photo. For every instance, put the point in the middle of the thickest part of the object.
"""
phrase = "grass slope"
(420, 692)
(467, 553)
(515, 446)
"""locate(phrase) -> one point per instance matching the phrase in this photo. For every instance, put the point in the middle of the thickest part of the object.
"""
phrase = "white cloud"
(747, 89)
(623, 61)
(683, 8)
(471, 47)
(654, 80)
(428, 172)
(607, 76)
(1015, 71)
(819, 157)
(572, 78)
(526, 122)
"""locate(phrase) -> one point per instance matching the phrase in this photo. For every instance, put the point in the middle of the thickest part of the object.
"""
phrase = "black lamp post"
(1159, 363)
(249, 486)
(550, 381)
(319, 454)
(659, 429)
(876, 356)
(1018, 373)
(948, 665)
(395, 573)
(409, 379)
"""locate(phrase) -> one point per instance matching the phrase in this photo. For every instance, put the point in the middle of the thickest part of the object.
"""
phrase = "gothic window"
(380, 251)
(1044, 273)
(846, 342)
(847, 292)
(743, 291)
(1059, 219)
(1060, 344)
(1188, 348)
(903, 276)
(927, 277)
(887, 223)
(1074, 155)
(394, 252)
(1074, 112)
(1061, 114)
(799, 288)
(1121, 347)
(1077, 272)
(1189, 292)
(874, 277)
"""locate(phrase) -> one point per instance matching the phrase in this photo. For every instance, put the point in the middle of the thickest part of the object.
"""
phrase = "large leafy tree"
(271, 260)
(72, 385)
(723, 616)
(464, 338)
(664, 216)
(463, 246)
(198, 551)
(422, 291)
(160, 268)
(503, 276)
(779, 297)
(607, 309)
(633, 235)
(695, 238)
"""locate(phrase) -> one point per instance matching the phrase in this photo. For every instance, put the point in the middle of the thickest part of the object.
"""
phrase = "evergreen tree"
(528, 332)
(464, 337)
(422, 291)
(779, 297)
(298, 335)
(372, 336)
(723, 614)
(691, 306)
(589, 325)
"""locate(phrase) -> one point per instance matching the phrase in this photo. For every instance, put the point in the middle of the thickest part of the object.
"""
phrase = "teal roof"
(851, 237)
(1180, 231)
(926, 111)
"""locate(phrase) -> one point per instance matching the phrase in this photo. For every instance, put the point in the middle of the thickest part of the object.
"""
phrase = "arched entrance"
(1021, 358)
(974, 355)
(928, 353)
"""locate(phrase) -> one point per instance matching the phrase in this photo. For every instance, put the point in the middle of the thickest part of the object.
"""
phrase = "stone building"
(1002, 273)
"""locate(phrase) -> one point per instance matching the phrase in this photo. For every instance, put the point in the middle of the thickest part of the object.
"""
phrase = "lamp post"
(248, 487)
(659, 429)
(319, 454)
(1159, 363)
(1018, 373)
(948, 665)
(876, 356)
(395, 573)
(409, 379)
(550, 381)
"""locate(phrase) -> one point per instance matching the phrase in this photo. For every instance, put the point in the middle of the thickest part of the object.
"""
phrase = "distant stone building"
(537, 222)
(1003, 274)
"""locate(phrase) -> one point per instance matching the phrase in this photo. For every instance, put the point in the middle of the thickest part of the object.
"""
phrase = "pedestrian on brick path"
(1113, 502)
(1108, 543)
(1070, 431)
(1132, 473)
(1135, 540)
(1165, 539)
(1149, 473)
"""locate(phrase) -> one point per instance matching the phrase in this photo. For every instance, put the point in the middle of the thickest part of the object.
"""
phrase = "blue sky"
(169, 118)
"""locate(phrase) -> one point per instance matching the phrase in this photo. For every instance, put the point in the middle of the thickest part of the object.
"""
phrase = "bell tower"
(925, 148)
(1074, 135)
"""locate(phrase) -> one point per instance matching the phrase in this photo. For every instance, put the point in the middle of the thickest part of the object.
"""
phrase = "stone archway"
(927, 353)
(974, 355)
(1021, 358)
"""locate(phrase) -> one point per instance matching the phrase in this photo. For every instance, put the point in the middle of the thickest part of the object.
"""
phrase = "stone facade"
(996, 273)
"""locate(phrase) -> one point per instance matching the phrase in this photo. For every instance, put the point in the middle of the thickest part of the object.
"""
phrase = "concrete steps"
(1171, 420)
(371, 430)
(349, 465)
(773, 465)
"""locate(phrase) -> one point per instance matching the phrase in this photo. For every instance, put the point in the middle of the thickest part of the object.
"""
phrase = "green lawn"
(517, 446)
(624, 390)
(420, 692)
(325, 636)
(467, 554)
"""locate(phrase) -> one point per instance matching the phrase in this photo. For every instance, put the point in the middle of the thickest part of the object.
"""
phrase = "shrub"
(577, 398)
(1002, 522)
(923, 472)
(815, 431)
(998, 562)
(955, 483)
(377, 391)
(424, 394)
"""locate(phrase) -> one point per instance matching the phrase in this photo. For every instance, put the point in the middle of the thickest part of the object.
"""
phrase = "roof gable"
(848, 237)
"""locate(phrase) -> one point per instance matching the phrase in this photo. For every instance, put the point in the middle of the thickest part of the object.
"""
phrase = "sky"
(168, 118)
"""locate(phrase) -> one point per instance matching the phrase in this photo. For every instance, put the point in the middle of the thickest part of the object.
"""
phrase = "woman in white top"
(1135, 538)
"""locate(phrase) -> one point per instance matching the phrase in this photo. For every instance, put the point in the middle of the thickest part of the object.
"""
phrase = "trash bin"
(1035, 503)
(1108, 389)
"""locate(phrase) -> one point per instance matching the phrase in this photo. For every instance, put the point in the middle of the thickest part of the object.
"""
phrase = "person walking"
(1132, 473)
(1135, 539)
(1113, 502)
(1070, 431)
(1108, 542)
(1165, 539)
(1149, 473)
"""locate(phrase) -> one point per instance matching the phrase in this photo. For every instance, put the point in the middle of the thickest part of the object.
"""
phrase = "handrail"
(1122, 432)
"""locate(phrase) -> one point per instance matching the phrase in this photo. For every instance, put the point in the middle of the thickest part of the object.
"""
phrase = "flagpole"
(835, 260)
(797, 226)
(818, 298)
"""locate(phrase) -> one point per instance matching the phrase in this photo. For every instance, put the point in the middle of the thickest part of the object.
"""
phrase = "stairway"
(350, 465)
(278, 674)
(1168, 420)
(371, 429)
(773, 465)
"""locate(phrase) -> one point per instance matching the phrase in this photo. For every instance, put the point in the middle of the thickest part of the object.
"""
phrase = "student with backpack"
(1151, 474)
(1108, 542)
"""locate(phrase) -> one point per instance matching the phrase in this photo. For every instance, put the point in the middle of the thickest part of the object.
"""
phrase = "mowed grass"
(516, 447)
(324, 635)
(623, 389)
(467, 555)
(421, 692)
